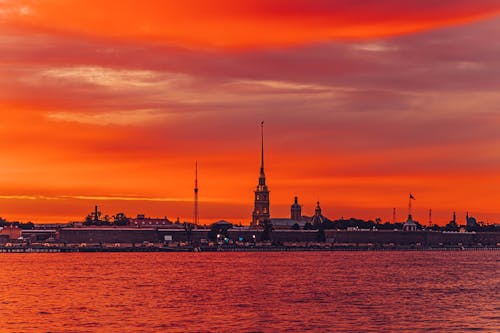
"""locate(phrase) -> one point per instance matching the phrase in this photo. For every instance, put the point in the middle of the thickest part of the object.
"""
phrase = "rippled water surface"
(250, 292)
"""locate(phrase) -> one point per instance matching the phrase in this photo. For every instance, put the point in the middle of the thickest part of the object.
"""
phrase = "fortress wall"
(295, 236)
(424, 238)
(181, 236)
(107, 235)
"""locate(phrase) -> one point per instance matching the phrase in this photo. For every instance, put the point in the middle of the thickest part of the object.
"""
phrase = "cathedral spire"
(260, 213)
(262, 177)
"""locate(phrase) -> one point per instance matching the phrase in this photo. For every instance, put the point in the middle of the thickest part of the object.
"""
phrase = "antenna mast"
(196, 216)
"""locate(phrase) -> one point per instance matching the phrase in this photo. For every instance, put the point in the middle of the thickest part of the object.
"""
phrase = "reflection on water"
(256, 292)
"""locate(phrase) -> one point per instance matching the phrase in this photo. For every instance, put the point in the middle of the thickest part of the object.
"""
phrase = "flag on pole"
(412, 197)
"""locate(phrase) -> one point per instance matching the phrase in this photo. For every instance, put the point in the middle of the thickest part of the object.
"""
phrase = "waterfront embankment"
(99, 248)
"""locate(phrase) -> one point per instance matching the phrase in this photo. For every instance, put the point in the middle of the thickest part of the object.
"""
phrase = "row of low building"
(107, 235)
(9, 233)
(422, 238)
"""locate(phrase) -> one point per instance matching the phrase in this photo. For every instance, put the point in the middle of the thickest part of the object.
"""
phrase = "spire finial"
(318, 208)
(262, 147)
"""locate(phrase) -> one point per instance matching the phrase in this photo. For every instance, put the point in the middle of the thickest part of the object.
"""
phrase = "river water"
(251, 292)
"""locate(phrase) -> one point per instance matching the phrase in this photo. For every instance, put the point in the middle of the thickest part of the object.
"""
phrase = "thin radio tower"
(430, 217)
(394, 215)
(196, 216)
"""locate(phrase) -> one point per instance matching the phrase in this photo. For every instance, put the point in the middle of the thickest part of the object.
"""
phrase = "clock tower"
(261, 205)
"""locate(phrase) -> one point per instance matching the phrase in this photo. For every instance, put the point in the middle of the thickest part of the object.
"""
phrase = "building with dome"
(318, 219)
(410, 225)
(296, 220)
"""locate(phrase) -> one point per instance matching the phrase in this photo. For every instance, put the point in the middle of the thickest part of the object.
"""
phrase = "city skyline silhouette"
(115, 111)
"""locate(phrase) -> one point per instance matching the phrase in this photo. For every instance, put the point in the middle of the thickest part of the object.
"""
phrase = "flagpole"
(409, 205)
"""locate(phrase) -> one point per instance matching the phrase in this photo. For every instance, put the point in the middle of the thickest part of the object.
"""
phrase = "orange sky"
(111, 104)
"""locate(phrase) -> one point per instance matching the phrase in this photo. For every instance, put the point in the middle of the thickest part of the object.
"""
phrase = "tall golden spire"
(261, 206)
(262, 149)
(262, 177)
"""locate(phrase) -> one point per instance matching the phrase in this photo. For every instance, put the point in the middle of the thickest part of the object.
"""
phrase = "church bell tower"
(296, 210)
(261, 205)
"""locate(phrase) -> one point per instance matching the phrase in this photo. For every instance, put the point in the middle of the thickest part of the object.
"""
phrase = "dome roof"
(222, 223)
(318, 218)
(409, 225)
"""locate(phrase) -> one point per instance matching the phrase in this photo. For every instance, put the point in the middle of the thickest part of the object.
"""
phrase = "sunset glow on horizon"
(111, 103)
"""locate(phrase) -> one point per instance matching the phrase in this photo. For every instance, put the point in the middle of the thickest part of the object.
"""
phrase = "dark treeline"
(25, 226)
(120, 219)
(343, 224)
(96, 218)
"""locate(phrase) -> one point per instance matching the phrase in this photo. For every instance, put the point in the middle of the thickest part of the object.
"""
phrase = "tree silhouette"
(308, 226)
(120, 219)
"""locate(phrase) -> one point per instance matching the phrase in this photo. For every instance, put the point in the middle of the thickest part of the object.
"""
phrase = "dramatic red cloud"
(111, 103)
(245, 23)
